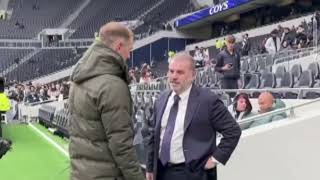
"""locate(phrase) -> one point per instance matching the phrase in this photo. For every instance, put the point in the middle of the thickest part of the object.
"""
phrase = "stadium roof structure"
(223, 11)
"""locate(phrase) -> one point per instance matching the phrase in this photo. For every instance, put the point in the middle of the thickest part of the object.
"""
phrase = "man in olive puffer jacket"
(101, 134)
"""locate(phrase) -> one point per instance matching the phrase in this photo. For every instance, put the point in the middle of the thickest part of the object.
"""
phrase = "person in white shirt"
(182, 141)
(273, 43)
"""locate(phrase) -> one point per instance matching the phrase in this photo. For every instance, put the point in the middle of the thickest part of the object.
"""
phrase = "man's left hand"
(210, 164)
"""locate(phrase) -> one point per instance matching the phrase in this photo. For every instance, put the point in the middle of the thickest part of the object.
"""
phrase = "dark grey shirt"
(223, 58)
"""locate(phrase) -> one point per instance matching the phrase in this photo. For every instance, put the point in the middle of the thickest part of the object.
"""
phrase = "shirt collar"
(184, 95)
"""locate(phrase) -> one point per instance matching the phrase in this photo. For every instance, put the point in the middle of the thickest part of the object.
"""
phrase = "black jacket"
(223, 58)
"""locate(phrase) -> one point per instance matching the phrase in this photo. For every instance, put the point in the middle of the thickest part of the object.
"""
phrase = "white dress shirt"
(176, 149)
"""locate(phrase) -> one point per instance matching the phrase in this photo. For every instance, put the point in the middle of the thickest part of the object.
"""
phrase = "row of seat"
(265, 79)
(264, 62)
(27, 20)
(295, 78)
(45, 62)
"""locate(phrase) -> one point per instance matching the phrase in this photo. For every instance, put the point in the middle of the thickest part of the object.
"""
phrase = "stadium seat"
(244, 66)
(314, 68)
(306, 80)
(268, 80)
(253, 67)
(286, 80)
(296, 71)
(280, 71)
(262, 65)
(254, 82)
(269, 60)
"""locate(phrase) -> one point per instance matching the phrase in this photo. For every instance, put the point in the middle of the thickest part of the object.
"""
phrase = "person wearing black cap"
(228, 64)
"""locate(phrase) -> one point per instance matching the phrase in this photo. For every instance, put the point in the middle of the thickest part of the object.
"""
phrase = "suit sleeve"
(150, 141)
(114, 106)
(224, 123)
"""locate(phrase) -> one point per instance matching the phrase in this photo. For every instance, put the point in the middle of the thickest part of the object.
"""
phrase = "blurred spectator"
(286, 46)
(246, 45)
(133, 78)
(268, 103)
(53, 92)
(219, 44)
(301, 37)
(228, 64)
(273, 43)
(198, 57)
(150, 30)
(32, 96)
(241, 107)
(136, 73)
(144, 69)
(170, 55)
(145, 77)
(280, 29)
(42, 95)
(64, 89)
(287, 37)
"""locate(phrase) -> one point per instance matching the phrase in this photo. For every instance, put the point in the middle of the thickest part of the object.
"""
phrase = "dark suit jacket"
(205, 116)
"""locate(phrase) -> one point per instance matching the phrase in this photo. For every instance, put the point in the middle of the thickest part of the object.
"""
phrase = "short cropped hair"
(186, 56)
(114, 30)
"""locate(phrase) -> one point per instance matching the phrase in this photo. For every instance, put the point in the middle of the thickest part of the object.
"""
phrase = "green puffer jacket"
(271, 118)
(101, 134)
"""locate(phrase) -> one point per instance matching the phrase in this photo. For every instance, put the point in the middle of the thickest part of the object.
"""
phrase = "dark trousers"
(228, 83)
(181, 171)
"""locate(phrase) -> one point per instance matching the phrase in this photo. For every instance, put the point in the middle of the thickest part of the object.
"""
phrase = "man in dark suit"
(182, 140)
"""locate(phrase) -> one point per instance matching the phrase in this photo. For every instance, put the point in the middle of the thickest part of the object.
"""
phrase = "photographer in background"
(228, 64)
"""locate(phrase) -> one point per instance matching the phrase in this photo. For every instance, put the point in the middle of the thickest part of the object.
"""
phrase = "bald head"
(117, 37)
(265, 101)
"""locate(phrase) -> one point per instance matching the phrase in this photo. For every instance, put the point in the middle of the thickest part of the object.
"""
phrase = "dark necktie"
(166, 141)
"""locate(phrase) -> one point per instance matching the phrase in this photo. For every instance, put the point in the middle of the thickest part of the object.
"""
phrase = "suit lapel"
(192, 106)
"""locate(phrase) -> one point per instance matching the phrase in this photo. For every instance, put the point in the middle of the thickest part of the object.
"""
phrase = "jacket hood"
(99, 60)
(278, 104)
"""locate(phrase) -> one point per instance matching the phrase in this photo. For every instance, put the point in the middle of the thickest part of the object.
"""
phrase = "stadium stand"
(28, 19)
(93, 16)
(57, 59)
(11, 56)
